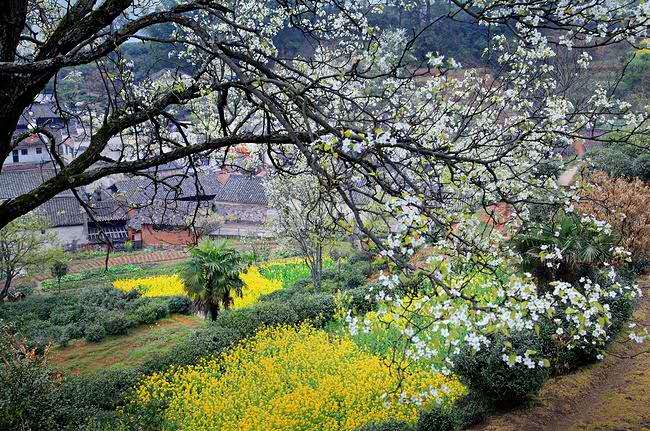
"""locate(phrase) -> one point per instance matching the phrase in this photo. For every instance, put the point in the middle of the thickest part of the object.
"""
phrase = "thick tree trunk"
(213, 311)
(5, 288)
(12, 21)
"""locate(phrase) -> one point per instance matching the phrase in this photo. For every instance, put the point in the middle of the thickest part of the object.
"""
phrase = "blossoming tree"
(305, 217)
(430, 145)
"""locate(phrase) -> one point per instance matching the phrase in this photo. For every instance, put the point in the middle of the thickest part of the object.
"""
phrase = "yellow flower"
(161, 285)
(287, 378)
(256, 285)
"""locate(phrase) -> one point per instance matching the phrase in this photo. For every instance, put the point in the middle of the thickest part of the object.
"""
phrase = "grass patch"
(142, 343)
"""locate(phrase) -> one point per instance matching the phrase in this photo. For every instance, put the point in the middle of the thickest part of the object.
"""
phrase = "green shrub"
(116, 323)
(392, 425)
(29, 397)
(102, 390)
(67, 314)
(150, 312)
(622, 160)
(73, 331)
(95, 333)
(472, 409)
(438, 418)
(179, 305)
(47, 318)
(207, 341)
(485, 372)
(59, 269)
(132, 294)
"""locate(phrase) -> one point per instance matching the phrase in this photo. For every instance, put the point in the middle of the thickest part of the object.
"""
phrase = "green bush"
(59, 269)
(101, 390)
(361, 299)
(207, 341)
(179, 305)
(392, 425)
(73, 331)
(564, 360)
(132, 294)
(29, 398)
(622, 160)
(116, 323)
(472, 409)
(438, 418)
(67, 314)
(485, 372)
(95, 333)
(150, 311)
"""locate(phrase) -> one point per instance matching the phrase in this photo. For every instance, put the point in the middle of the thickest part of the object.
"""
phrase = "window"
(39, 150)
(23, 152)
(16, 158)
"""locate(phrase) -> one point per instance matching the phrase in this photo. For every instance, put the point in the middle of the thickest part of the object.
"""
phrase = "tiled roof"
(169, 213)
(236, 188)
(39, 140)
(15, 183)
(62, 211)
(105, 207)
(241, 189)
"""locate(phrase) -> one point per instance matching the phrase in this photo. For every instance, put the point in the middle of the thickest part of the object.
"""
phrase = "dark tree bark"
(5, 288)
(12, 21)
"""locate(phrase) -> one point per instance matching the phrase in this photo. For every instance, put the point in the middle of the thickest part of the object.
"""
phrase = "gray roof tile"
(62, 211)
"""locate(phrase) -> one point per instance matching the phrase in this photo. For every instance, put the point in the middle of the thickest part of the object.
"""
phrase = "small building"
(63, 213)
(107, 219)
(65, 218)
(178, 209)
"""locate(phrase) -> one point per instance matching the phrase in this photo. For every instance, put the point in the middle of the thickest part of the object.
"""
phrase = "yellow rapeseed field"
(171, 285)
(159, 285)
(288, 378)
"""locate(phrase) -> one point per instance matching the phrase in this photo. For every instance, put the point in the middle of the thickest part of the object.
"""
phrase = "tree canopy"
(428, 142)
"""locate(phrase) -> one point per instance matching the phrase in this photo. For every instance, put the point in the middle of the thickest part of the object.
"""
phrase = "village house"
(63, 213)
(179, 208)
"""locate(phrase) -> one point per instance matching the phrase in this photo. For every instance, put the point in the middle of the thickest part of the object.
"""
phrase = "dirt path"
(611, 395)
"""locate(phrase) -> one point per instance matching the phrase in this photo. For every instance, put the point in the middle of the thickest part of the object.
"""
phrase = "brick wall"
(160, 238)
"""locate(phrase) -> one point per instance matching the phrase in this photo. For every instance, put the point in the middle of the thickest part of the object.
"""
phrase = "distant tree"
(23, 244)
(305, 217)
(637, 74)
(211, 276)
(59, 269)
(631, 160)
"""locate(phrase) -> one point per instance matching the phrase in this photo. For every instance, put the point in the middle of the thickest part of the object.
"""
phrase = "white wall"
(67, 234)
(31, 156)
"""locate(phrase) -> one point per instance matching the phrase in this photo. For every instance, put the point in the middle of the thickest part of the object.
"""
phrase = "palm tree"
(211, 276)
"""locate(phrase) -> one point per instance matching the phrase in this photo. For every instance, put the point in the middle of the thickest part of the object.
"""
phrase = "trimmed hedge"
(91, 313)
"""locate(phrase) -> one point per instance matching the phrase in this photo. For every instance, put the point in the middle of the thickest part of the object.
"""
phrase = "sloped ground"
(611, 395)
(135, 258)
(140, 344)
